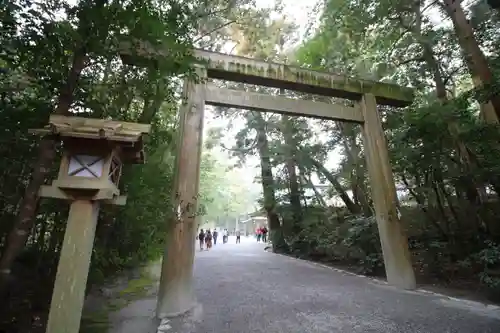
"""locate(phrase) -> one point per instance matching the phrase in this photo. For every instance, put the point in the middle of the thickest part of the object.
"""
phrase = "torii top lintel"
(241, 69)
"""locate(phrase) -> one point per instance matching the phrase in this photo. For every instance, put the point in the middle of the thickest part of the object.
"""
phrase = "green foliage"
(489, 258)
(353, 242)
(362, 234)
(443, 155)
(225, 191)
(277, 240)
(139, 230)
(62, 55)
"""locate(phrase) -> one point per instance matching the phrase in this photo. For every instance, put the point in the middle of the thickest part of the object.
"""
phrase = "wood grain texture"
(394, 243)
(73, 269)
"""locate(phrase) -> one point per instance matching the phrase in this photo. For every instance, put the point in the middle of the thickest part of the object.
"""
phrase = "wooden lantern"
(94, 151)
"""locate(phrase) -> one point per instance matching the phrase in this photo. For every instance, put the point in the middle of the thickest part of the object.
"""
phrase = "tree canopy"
(61, 57)
(443, 147)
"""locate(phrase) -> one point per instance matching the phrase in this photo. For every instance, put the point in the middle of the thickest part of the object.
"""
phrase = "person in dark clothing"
(238, 236)
(264, 234)
(201, 238)
(214, 235)
(208, 239)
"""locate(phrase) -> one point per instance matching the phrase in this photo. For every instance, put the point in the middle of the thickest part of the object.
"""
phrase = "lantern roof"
(126, 135)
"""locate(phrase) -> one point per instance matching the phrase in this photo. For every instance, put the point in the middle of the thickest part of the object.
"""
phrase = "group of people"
(208, 238)
(261, 234)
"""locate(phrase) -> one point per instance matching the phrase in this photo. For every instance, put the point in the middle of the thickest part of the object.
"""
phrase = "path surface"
(242, 289)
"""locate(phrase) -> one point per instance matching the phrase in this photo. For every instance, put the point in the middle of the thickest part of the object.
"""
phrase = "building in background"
(252, 222)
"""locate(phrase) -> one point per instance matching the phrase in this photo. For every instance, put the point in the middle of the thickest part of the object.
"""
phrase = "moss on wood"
(234, 68)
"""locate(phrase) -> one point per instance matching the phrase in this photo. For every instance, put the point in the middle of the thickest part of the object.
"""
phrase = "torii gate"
(176, 294)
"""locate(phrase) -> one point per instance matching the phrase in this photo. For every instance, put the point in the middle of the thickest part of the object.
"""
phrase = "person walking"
(259, 234)
(201, 239)
(215, 234)
(264, 234)
(238, 236)
(208, 239)
(225, 235)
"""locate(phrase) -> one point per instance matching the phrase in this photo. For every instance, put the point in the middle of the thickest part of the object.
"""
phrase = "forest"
(60, 57)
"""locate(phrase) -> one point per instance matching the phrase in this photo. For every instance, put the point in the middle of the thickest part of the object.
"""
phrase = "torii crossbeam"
(176, 294)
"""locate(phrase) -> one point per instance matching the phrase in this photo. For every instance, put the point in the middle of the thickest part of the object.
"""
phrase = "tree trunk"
(151, 106)
(277, 239)
(293, 181)
(358, 180)
(421, 203)
(46, 152)
(46, 155)
(153, 103)
(472, 189)
(474, 57)
(307, 181)
(24, 223)
(99, 109)
(351, 206)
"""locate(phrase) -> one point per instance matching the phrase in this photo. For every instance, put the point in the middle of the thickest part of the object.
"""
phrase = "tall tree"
(86, 35)
(476, 61)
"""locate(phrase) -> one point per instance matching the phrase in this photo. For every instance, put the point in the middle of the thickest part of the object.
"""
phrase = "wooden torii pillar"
(176, 290)
(397, 259)
(176, 294)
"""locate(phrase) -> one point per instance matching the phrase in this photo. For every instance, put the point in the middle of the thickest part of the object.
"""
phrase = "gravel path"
(241, 289)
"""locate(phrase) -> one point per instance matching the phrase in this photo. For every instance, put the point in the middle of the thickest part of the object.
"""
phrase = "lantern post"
(94, 151)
